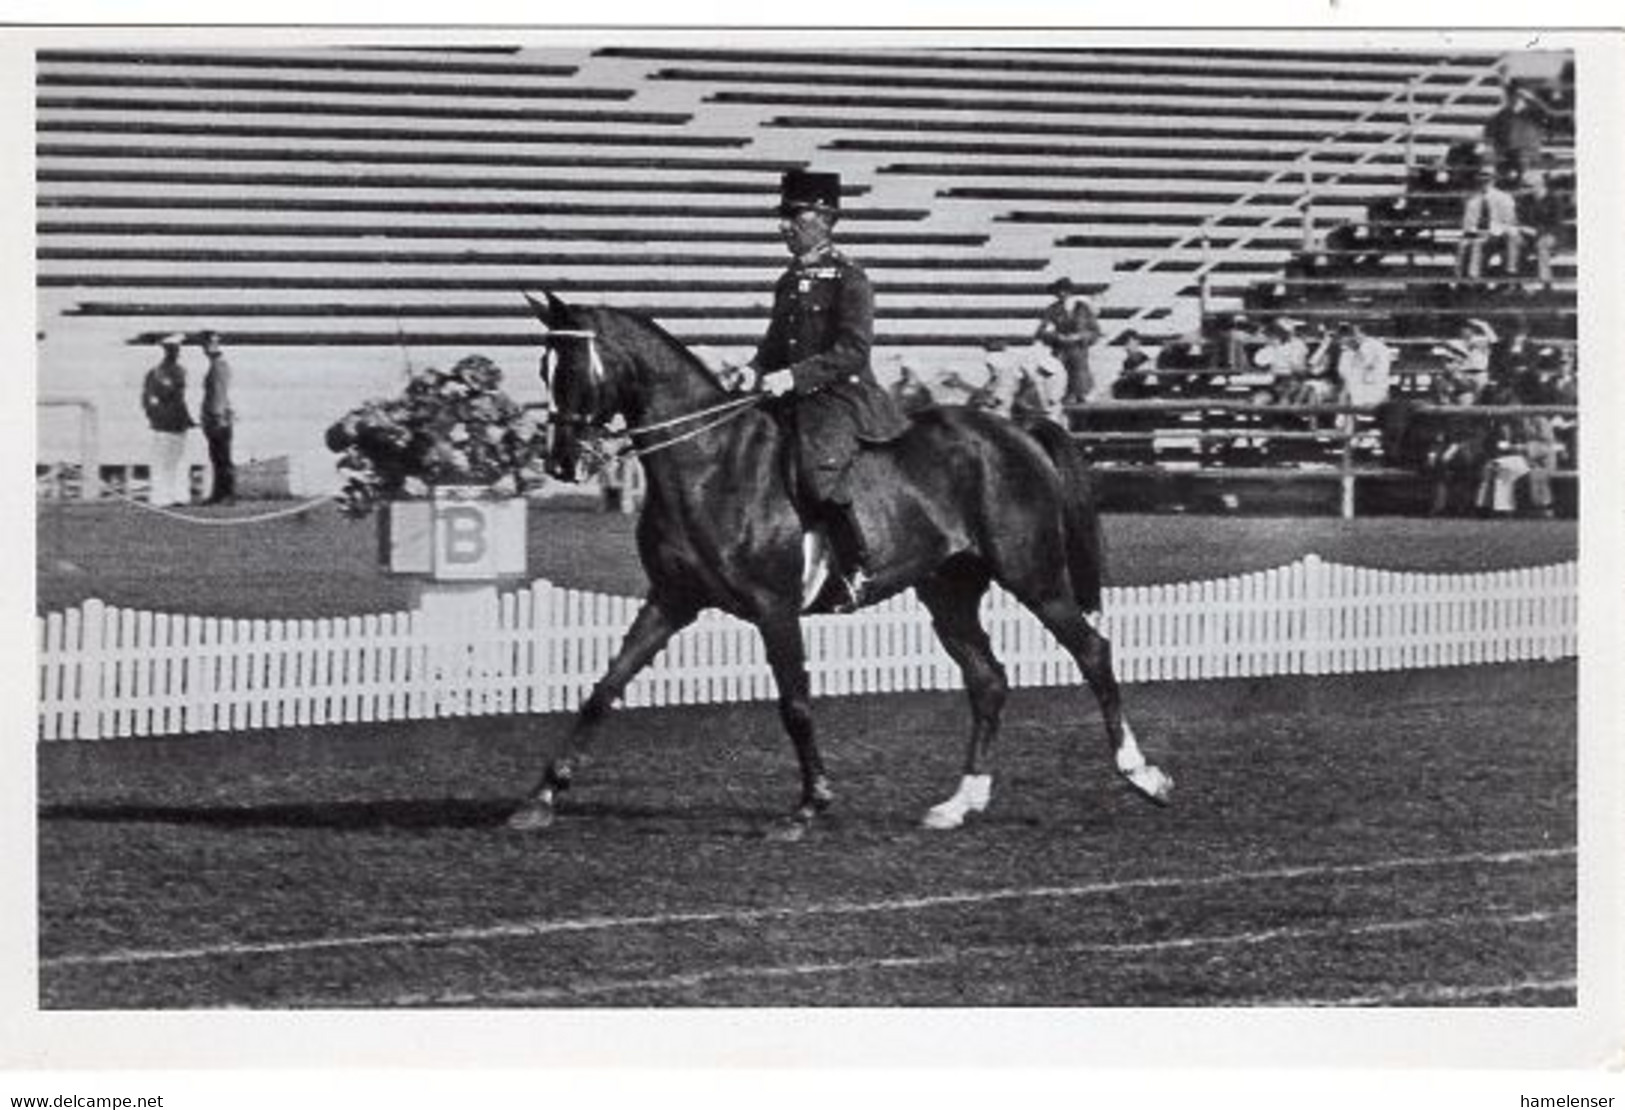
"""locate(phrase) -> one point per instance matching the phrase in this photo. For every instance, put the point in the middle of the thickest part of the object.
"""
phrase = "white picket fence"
(110, 672)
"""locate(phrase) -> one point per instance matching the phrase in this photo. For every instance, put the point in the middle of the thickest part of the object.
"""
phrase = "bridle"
(596, 423)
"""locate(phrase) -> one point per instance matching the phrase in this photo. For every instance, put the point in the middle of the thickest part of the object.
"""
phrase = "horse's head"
(601, 363)
(582, 388)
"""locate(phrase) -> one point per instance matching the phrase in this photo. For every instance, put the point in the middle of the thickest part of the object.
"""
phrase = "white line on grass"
(745, 915)
(691, 980)
(1432, 994)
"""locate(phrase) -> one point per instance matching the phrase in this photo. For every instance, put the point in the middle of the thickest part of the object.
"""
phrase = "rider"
(817, 351)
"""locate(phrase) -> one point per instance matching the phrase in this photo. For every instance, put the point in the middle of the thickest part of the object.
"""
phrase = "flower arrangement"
(453, 427)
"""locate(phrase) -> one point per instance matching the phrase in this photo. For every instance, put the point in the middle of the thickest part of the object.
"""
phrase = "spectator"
(622, 485)
(1488, 220)
(1069, 328)
(1323, 384)
(1513, 357)
(1035, 396)
(1457, 446)
(163, 399)
(1540, 443)
(1452, 382)
(1479, 340)
(1135, 380)
(1286, 357)
(1541, 218)
(1555, 381)
(912, 395)
(992, 392)
(1556, 376)
(1363, 364)
(1516, 132)
(1462, 163)
(218, 418)
(1241, 342)
(1523, 446)
(1185, 363)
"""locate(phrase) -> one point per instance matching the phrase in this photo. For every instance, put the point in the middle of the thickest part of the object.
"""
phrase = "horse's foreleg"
(654, 625)
(787, 656)
(954, 618)
(1093, 654)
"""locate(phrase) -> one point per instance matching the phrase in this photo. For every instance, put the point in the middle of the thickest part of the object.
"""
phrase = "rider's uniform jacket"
(822, 328)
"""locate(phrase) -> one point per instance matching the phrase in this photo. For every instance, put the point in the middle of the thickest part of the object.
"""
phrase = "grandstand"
(340, 213)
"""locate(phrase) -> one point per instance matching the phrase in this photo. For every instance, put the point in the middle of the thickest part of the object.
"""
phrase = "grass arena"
(1403, 838)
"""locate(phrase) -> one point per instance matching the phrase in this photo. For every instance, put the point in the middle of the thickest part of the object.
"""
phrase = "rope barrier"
(224, 522)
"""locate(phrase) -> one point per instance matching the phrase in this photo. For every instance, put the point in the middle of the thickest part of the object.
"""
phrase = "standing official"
(218, 420)
(1068, 328)
(163, 400)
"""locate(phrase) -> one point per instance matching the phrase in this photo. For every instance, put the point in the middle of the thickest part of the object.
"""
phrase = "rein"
(720, 413)
(726, 411)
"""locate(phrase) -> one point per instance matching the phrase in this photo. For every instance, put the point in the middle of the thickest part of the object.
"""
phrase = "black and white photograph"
(670, 524)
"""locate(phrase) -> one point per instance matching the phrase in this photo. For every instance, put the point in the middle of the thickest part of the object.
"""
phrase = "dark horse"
(961, 500)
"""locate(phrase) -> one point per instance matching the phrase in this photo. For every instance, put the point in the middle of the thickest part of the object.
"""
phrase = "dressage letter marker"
(475, 536)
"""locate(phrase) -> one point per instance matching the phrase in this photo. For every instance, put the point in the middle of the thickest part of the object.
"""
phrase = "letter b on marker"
(477, 537)
(462, 536)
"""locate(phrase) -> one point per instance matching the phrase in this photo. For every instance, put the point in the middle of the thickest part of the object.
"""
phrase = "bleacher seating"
(340, 212)
(1394, 272)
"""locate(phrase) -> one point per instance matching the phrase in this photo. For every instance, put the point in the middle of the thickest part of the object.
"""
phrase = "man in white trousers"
(163, 399)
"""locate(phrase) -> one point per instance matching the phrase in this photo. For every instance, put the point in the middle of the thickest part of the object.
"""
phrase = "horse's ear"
(554, 314)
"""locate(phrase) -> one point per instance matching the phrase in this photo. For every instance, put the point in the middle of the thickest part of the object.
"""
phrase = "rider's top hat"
(801, 189)
(1061, 286)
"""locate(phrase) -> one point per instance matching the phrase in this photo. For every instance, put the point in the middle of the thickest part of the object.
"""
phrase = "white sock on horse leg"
(1129, 756)
(976, 790)
(973, 795)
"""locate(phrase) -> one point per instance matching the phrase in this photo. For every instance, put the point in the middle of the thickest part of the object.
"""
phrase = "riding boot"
(851, 555)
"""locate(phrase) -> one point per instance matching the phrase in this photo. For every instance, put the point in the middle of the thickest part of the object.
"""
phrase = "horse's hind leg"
(953, 600)
(1093, 653)
(651, 629)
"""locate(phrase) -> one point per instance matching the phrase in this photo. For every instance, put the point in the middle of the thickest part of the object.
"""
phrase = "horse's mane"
(650, 332)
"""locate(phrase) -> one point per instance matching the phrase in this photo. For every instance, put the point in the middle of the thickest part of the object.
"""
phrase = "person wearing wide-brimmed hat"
(218, 418)
(816, 353)
(1068, 328)
(163, 399)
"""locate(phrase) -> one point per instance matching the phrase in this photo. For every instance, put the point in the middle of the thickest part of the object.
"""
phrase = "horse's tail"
(1085, 546)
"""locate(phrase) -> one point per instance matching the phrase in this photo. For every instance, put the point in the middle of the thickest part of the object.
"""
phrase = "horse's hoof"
(943, 817)
(531, 817)
(788, 831)
(1152, 782)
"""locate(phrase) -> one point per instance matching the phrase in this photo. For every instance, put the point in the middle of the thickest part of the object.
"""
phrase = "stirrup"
(854, 585)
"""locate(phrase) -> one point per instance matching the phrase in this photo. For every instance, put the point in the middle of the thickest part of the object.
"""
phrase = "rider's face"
(804, 230)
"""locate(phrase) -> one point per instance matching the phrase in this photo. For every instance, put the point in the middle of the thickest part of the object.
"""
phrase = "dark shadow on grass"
(419, 814)
(436, 813)
(592, 817)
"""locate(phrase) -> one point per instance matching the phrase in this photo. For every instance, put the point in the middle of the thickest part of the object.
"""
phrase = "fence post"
(1316, 593)
(1345, 503)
